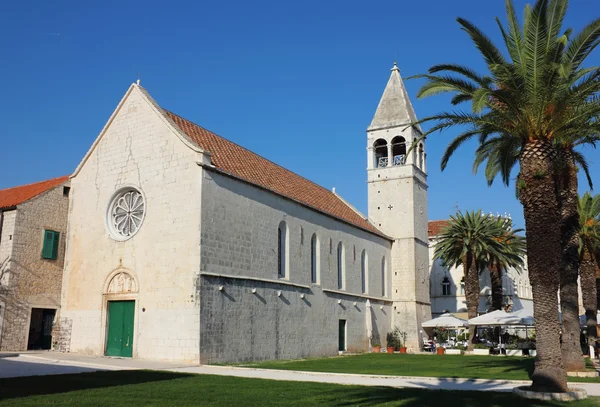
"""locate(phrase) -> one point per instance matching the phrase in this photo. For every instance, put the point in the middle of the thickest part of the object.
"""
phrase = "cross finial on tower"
(395, 68)
(138, 79)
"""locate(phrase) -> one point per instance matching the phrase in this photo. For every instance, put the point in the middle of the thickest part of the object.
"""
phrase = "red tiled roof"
(14, 196)
(241, 163)
(435, 227)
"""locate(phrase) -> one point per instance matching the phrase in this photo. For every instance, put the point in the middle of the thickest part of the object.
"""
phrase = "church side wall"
(138, 149)
(239, 255)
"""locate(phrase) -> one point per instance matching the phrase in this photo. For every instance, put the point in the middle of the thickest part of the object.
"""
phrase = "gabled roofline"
(156, 108)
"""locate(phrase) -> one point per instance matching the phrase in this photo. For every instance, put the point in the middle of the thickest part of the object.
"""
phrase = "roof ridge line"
(34, 183)
(250, 151)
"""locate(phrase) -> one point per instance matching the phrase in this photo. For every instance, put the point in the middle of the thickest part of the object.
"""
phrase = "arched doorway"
(120, 296)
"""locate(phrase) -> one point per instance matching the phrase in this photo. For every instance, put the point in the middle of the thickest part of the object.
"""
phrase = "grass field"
(473, 367)
(149, 388)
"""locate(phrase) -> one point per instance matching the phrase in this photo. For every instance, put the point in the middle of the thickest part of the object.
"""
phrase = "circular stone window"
(125, 214)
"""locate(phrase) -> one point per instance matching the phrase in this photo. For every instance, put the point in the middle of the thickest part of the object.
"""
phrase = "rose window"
(126, 213)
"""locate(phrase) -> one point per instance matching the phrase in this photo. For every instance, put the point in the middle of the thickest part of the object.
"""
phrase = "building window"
(282, 254)
(364, 271)
(314, 259)
(301, 235)
(330, 246)
(125, 213)
(50, 248)
(398, 150)
(341, 266)
(446, 286)
(383, 267)
(462, 286)
(381, 153)
(421, 156)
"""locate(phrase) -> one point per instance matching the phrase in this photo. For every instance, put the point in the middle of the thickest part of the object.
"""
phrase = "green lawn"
(473, 367)
(149, 388)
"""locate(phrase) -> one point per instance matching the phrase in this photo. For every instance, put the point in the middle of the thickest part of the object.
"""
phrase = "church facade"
(182, 245)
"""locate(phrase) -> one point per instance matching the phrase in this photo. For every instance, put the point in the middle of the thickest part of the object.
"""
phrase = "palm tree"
(469, 240)
(513, 255)
(534, 99)
(589, 218)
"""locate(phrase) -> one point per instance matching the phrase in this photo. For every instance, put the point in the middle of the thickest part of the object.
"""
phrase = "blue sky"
(297, 82)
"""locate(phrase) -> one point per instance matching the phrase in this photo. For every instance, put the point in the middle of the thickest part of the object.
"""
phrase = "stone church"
(182, 245)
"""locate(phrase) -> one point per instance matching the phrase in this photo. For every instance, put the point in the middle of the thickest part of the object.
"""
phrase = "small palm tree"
(534, 98)
(589, 218)
(513, 255)
(469, 240)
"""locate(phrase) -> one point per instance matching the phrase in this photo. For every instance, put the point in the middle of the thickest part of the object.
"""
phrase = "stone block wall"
(275, 322)
(33, 282)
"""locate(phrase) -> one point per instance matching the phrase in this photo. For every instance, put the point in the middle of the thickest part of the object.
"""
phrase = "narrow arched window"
(446, 286)
(421, 156)
(381, 153)
(282, 255)
(383, 273)
(462, 286)
(398, 150)
(341, 266)
(314, 259)
(364, 271)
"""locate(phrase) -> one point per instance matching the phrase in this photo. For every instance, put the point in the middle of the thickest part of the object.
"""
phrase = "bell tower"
(397, 201)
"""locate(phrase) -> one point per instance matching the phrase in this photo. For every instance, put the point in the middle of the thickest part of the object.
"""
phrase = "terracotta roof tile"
(435, 227)
(14, 196)
(241, 163)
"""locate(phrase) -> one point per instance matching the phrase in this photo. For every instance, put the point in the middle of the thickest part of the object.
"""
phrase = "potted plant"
(391, 342)
(480, 349)
(513, 350)
(376, 345)
(440, 350)
(401, 341)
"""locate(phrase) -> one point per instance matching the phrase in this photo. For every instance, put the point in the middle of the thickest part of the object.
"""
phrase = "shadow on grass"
(376, 396)
(505, 365)
(62, 383)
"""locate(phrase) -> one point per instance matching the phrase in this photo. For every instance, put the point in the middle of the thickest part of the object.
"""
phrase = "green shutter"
(50, 249)
(55, 246)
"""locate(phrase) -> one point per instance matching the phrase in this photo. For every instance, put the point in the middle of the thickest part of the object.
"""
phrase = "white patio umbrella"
(503, 318)
(446, 321)
(369, 322)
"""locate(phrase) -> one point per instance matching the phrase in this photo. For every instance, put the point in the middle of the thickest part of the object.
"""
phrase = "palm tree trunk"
(590, 293)
(496, 280)
(471, 293)
(569, 294)
(537, 193)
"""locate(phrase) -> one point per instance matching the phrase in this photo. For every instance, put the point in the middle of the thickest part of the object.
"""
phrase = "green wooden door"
(120, 328)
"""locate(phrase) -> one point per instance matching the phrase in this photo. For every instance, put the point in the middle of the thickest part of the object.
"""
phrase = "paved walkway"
(40, 363)
(44, 363)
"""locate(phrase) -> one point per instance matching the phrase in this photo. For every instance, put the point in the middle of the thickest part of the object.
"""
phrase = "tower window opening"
(398, 150)
(421, 156)
(446, 286)
(381, 153)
